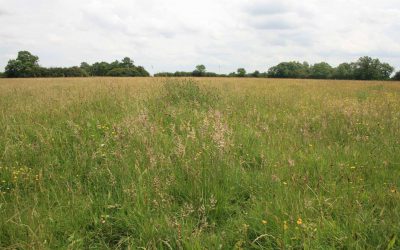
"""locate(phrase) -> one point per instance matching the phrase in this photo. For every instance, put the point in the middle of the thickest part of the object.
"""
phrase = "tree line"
(365, 68)
(27, 65)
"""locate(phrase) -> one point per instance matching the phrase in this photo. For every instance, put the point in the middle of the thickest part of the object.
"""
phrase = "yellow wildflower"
(299, 221)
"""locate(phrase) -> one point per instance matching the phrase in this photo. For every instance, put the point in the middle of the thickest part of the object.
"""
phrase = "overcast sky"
(221, 34)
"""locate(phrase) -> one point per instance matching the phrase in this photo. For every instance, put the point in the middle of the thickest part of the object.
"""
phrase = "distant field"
(216, 163)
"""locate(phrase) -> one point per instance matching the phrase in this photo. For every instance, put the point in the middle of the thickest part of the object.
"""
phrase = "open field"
(216, 163)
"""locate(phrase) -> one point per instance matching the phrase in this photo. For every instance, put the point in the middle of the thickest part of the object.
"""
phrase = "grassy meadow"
(211, 163)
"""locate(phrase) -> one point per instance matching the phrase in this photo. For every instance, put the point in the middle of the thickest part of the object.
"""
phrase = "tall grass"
(199, 164)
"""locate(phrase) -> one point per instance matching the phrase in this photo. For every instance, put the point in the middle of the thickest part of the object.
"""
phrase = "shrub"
(127, 72)
(123, 72)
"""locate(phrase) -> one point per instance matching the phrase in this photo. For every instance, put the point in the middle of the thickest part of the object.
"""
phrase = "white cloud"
(178, 34)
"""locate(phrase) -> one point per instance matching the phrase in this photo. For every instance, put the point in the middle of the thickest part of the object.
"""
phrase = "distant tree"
(200, 70)
(127, 62)
(142, 71)
(289, 70)
(367, 68)
(86, 67)
(241, 72)
(115, 64)
(75, 72)
(210, 74)
(385, 71)
(51, 72)
(132, 71)
(26, 65)
(284, 70)
(164, 74)
(233, 74)
(184, 74)
(123, 72)
(63, 72)
(306, 70)
(344, 71)
(100, 68)
(396, 76)
(321, 71)
(1, 75)
(255, 74)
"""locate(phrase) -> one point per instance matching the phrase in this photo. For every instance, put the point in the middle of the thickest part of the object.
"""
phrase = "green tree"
(86, 67)
(289, 70)
(396, 76)
(115, 64)
(164, 74)
(142, 71)
(367, 68)
(185, 74)
(75, 72)
(127, 62)
(386, 70)
(344, 71)
(241, 72)
(123, 72)
(255, 74)
(321, 71)
(100, 68)
(200, 70)
(26, 65)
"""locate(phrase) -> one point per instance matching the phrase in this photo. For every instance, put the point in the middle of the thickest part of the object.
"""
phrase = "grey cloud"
(5, 13)
(288, 21)
(301, 38)
(270, 7)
